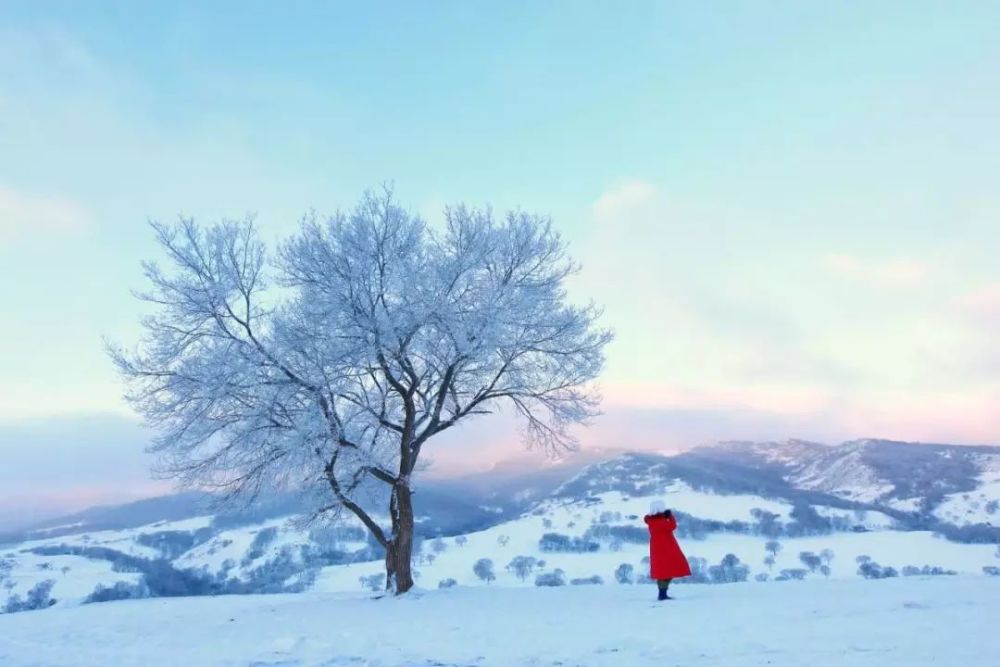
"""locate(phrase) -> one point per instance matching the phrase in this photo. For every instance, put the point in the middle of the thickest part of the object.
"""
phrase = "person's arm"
(671, 521)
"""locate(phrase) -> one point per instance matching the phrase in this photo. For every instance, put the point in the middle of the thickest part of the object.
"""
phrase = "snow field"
(901, 622)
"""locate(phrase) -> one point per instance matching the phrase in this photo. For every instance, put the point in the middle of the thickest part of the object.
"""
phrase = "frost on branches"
(329, 365)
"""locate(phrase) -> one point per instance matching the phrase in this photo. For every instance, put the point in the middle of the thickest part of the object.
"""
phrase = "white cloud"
(24, 215)
(622, 199)
(896, 272)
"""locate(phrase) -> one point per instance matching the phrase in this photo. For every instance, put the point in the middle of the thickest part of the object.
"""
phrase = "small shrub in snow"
(438, 545)
(926, 571)
(555, 578)
(623, 573)
(991, 570)
(763, 576)
(824, 569)
(447, 583)
(546, 523)
(792, 574)
(863, 559)
(373, 582)
(557, 543)
(872, 570)
(38, 597)
(503, 540)
(699, 571)
(483, 569)
(461, 540)
(121, 590)
(595, 580)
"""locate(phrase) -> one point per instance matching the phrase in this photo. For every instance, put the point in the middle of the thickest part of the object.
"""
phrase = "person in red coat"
(666, 560)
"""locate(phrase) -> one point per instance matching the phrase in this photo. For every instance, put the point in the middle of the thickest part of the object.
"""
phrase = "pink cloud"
(896, 272)
(982, 304)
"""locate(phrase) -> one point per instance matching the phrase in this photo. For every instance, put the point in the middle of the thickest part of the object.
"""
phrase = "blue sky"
(789, 209)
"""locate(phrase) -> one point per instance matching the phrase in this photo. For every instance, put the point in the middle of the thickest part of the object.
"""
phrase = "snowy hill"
(891, 623)
(566, 522)
(954, 483)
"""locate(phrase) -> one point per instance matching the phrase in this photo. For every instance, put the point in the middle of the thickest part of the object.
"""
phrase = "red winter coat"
(666, 560)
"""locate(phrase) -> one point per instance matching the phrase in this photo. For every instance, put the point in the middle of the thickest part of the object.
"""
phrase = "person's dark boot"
(663, 594)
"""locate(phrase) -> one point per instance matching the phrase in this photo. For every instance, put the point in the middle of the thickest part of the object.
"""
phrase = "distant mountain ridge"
(921, 483)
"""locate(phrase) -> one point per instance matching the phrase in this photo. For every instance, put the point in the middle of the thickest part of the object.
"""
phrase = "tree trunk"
(399, 552)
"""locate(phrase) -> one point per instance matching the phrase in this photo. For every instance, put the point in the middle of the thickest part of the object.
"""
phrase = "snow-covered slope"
(892, 623)
(955, 484)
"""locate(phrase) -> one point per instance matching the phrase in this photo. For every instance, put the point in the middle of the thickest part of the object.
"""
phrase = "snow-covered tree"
(483, 569)
(522, 566)
(623, 573)
(773, 547)
(329, 366)
(810, 560)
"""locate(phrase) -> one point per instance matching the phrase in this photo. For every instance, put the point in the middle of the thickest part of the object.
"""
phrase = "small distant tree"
(769, 561)
(332, 363)
(863, 559)
(438, 545)
(522, 566)
(546, 523)
(623, 573)
(767, 522)
(503, 540)
(810, 560)
(826, 555)
(825, 570)
(447, 583)
(773, 547)
(763, 576)
(729, 570)
(483, 569)
(795, 574)
(461, 540)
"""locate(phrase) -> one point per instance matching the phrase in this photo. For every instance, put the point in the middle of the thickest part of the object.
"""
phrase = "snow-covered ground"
(906, 622)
